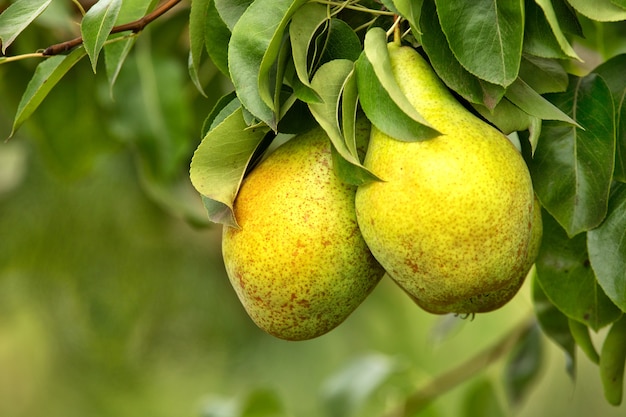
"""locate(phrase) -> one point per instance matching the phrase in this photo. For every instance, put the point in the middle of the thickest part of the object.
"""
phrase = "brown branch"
(135, 27)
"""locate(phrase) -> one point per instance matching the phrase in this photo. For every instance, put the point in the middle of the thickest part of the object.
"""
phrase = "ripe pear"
(298, 262)
(453, 221)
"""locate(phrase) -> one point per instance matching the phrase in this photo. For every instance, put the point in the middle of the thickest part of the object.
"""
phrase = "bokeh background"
(113, 297)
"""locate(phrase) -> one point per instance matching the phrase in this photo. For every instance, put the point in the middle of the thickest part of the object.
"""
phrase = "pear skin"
(298, 262)
(453, 220)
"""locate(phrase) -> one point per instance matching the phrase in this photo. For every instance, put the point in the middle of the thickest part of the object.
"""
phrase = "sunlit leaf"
(523, 366)
(565, 275)
(329, 81)
(253, 48)
(220, 162)
(96, 27)
(305, 24)
(572, 168)
(555, 325)
(197, 26)
(347, 391)
(17, 17)
(382, 111)
(600, 10)
(46, 76)
(231, 10)
(485, 36)
(445, 64)
(607, 248)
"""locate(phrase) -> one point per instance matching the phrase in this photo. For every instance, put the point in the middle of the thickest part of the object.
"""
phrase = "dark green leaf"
(17, 17)
(566, 277)
(612, 72)
(197, 25)
(527, 99)
(445, 64)
(580, 333)
(253, 49)
(382, 111)
(347, 391)
(612, 362)
(523, 365)
(342, 42)
(216, 38)
(600, 10)
(553, 19)
(572, 168)
(539, 39)
(555, 325)
(46, 76)
(508, 117)
(481, 399)
(543, 75)
(220, 162)
(96, 27)
(231, 10)
(607, 248)
(485, 36)
(224, 107)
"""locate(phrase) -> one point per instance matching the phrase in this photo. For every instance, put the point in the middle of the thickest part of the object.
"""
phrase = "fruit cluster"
(453, 220)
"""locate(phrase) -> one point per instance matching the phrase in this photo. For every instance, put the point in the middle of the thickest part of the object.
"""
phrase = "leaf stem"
(450, 379)
(134, 26)
(349, 5)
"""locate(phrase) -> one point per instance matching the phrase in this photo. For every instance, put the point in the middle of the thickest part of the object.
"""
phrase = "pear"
(298, 262)
(454, 221)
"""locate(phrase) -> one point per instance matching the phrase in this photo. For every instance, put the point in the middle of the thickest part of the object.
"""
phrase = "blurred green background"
(113, 297)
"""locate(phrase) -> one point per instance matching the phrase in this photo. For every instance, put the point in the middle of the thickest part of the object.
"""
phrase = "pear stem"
(461, 373)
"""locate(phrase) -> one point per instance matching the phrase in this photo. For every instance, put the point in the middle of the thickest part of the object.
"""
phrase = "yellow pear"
(454, 218)
(298, 262)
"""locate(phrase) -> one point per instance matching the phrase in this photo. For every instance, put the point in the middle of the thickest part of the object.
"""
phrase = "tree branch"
(135, 26)
(450, 379)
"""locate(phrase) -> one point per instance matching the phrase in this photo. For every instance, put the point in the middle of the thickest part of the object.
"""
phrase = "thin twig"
(450, 379)
(135, 26)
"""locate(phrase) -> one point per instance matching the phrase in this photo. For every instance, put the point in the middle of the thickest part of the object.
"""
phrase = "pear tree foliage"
(548, 72)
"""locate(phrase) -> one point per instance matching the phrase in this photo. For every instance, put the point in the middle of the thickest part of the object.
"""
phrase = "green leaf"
(197, 26)
(565, 275)
(481, 399)
(555, 325)
(523, 365)
(341, 43)
(619, 3)
(220, 162)
(382, 111)
(600, 10)
(612, 72)
(17, 17)
(329, 81)
(527, 99)
(411, 10)
(47, 74)
(543, 75)
(347, 391)
(508, 117)
(607, 248)
(445, 64)
(96, 27)
(486, 36)
(572, 168)
(305, 24)
(216, 38)
(539, 39)
(580, 333)
(224, 107)
(253, 49)
(115, 53)
(553, 20)
(231, 10)
(375, 49)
